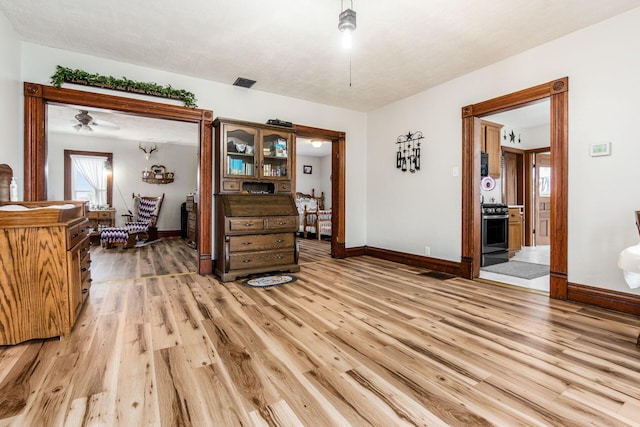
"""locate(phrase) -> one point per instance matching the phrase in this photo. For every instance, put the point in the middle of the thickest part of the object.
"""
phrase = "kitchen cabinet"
(515, 230)
(490, 144)
(253, 158)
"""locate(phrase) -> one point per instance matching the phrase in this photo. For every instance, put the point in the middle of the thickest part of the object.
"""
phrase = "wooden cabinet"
(515, 230)
(45, 276)
(192, 221)
(255, 234)
(102, 218)
(253, 158)
(490, 144)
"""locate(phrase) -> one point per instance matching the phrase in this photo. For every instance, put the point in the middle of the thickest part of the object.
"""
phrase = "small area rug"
(142, 244)
(268, 281)
(524, 270)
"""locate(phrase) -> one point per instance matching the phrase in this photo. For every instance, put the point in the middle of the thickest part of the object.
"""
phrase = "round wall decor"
(488, 183)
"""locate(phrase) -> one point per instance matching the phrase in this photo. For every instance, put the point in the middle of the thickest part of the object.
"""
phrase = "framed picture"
(307, 169)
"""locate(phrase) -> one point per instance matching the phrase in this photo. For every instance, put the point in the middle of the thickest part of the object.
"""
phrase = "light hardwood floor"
(358, 341)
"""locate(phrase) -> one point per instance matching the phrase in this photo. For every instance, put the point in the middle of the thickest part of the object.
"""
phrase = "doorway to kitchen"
(520, 201)
(557, 93)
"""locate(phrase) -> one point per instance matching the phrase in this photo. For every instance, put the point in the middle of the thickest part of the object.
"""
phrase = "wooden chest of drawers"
(256, 234)
(45, 278)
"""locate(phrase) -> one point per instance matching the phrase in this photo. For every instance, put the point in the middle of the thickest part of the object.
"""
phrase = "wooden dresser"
(256, 234)
(192, 221)
(45, 276)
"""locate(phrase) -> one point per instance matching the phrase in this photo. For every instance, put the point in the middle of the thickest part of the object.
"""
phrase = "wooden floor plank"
(357, 341)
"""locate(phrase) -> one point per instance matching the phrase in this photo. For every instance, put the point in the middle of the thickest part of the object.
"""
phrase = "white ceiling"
(115, 125)
(293, 48)
(304, 148)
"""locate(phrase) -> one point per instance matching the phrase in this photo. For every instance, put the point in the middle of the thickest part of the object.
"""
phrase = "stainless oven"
(495, 234)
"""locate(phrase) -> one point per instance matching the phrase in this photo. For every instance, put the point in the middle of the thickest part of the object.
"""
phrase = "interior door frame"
(338, 173)
(36, 98)
(557, 92)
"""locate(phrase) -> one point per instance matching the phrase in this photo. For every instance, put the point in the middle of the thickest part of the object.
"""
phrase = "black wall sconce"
(408, 155)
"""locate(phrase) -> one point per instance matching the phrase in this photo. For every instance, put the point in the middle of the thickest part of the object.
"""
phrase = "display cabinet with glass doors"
(253, 158)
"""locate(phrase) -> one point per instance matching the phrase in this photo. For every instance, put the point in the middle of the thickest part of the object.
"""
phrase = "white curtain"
(92, 169)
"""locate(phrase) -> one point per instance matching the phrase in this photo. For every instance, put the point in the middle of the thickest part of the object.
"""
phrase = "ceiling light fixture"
(315, 143)
(84, 120)
(347, 24)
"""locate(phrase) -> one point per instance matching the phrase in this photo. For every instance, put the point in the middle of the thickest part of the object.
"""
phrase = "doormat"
(523, 270)
(268, 281)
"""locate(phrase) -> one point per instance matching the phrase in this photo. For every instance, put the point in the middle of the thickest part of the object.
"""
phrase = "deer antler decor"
(148, 151)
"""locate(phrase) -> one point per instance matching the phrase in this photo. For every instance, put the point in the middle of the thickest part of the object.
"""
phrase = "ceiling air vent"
(242, 82)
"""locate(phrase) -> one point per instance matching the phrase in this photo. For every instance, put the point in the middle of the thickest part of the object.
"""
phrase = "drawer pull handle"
(85, 290)
(74, 235)
(281, 223)
(246, 243)
(248, 224)
(246, 260)
(84, 269)
(279, 257)
(279, 241)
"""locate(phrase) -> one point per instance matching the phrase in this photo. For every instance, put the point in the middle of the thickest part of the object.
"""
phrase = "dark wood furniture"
(192, 221)
(256, 234)
(253, 158)
(256, 216)
(45, 275)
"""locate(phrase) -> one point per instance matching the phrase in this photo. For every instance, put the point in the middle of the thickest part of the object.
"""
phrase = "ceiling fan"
(86, 121)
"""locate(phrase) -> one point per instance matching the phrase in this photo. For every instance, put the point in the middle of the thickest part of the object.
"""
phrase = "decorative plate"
(488, 183)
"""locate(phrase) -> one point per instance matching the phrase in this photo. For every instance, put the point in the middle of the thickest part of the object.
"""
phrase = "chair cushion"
(113, 235)
(146, 208)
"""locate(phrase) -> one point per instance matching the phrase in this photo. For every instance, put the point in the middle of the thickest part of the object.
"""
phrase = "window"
(88, 176)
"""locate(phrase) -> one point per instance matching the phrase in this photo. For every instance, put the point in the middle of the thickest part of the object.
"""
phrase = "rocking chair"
(141, 225)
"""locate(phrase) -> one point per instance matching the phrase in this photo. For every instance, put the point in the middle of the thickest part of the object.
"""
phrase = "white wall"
(11, 102)
(128, 164)
(317, 180)
(408, 211)
(39, 63)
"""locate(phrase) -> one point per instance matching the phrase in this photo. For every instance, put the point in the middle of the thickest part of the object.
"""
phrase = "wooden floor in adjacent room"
(358, 341)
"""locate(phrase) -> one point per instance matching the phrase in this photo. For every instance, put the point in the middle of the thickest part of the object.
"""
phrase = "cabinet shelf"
(157, 180)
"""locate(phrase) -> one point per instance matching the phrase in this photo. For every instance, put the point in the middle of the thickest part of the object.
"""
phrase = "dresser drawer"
(250, 224)
(283, 187)
(282, 223)
(75, 233)
(260, 242)
(246, 260)
(231, 185)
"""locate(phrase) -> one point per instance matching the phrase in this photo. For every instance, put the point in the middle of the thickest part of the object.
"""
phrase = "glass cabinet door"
(240, 151)
(276, 147)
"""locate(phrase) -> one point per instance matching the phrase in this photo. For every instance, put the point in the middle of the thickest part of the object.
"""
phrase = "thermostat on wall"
(600, 149)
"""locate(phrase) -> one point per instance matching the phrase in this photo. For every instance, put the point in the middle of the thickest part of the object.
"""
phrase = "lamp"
(347, 24)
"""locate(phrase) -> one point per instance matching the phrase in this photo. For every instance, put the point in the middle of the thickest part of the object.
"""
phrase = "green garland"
(68, 75)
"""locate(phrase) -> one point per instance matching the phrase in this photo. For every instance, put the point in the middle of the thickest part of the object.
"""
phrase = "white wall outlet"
(427, 250)
(456, 171)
